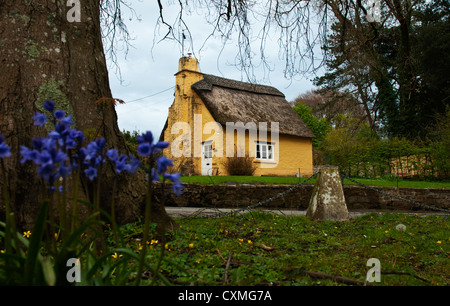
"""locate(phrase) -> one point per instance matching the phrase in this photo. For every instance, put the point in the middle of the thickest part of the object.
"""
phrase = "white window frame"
(207, 149)
(262, 149)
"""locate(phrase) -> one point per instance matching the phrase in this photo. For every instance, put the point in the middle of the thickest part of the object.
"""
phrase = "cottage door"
(207, 158)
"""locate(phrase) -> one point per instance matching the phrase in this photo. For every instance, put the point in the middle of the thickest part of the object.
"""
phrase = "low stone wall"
(357, 197)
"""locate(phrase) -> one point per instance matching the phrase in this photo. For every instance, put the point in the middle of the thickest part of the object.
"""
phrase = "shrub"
(239, 165)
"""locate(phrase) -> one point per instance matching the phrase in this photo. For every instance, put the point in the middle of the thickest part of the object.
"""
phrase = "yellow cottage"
(213, 119)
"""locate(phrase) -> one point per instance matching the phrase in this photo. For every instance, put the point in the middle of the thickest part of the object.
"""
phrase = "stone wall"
(357, 197)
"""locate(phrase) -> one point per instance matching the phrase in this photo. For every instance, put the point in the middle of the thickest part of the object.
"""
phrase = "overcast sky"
(148, 73)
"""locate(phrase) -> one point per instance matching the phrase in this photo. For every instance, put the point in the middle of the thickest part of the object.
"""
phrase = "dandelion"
(241, 240)
(191, 245)
(386, 232)
(249, 242)
(439, 242)
(3, 251)
(27, 234)
(400, 227)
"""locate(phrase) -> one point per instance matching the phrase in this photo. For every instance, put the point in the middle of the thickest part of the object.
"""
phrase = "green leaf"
(35, 243)
(48, 271)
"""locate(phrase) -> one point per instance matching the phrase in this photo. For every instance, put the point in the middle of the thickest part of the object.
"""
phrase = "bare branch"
(114, 30)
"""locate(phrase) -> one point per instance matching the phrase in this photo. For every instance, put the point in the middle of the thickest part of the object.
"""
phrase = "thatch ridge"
(209, 81)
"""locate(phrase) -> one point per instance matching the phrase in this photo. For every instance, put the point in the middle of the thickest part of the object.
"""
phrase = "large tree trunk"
(44, 56)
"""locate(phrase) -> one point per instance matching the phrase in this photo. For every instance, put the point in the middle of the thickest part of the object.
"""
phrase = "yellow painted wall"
(294, 152)
(294, 156)
(186, 105)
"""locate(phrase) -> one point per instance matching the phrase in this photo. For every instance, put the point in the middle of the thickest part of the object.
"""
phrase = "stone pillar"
(327, 199)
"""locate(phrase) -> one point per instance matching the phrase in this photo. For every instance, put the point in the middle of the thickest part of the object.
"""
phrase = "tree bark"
(44, 56)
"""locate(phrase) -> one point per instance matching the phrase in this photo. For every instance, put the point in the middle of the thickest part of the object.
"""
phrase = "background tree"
(327, 104)
(432, 50)
(388, 68)
(319, 126)
(376, 62)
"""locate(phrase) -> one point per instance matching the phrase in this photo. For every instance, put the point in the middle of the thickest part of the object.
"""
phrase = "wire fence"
(395, 196)
(296, 186)
(260, 203)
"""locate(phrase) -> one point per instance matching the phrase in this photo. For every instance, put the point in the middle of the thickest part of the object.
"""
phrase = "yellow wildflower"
(191, 245)
(27, 234)
(115, 255)
(249, 242)
(240, 239)
(439, 242)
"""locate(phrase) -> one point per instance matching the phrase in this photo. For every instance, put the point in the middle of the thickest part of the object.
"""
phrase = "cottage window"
(264, 151)
(208, 150)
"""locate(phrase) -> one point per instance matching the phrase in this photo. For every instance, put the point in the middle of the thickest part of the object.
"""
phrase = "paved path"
(194, 211)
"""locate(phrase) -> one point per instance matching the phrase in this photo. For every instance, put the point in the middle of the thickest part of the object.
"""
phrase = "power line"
(152, 95)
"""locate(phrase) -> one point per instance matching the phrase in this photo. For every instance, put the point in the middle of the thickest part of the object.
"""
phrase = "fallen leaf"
(265, 247)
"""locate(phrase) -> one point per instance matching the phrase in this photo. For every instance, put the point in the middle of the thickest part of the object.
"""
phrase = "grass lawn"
(296, 180)
(266, 249)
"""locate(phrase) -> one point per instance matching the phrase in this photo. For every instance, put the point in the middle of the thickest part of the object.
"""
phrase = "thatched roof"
(235, 101)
